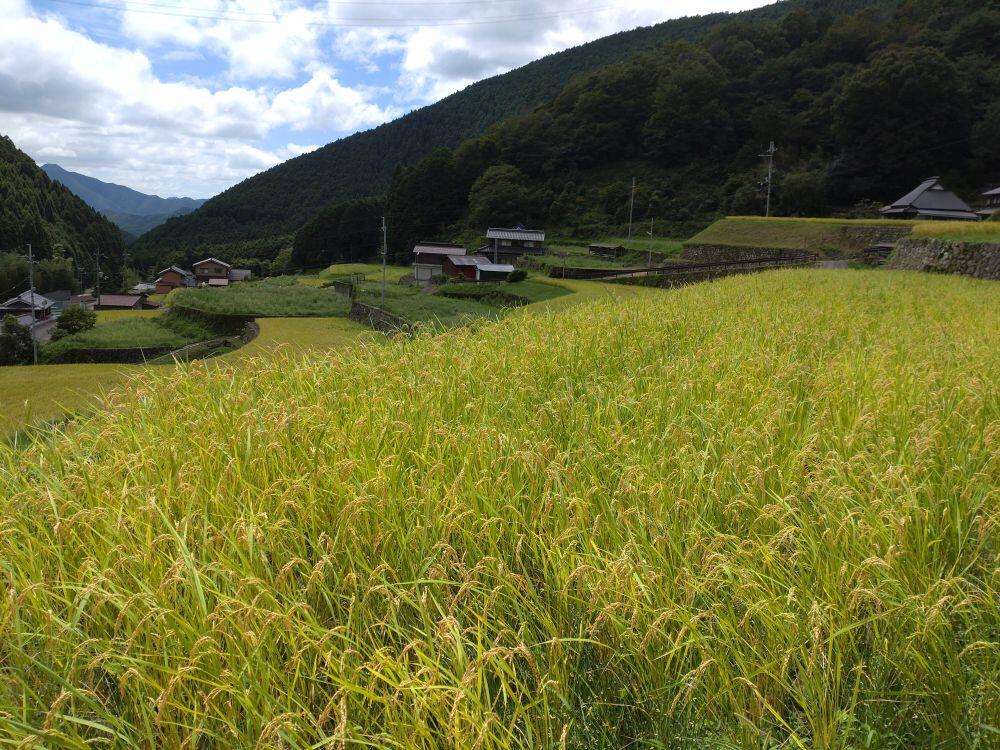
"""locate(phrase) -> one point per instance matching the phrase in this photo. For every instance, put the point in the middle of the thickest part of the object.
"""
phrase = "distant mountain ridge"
(131, 210)
(266, 208)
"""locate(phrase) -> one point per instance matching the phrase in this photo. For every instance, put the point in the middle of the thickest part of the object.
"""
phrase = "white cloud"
(147, 106)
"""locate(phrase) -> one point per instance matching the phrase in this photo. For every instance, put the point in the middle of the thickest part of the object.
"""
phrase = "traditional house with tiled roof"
(931, 200)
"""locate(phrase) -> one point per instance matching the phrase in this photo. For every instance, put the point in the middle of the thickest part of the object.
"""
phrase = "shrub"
(75, 319)
(518, 274)
(15, 342)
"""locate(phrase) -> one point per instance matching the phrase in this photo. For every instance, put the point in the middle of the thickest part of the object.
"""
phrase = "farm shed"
(508, 244)
(121, 302)
(428, 258)
(607, 251)
(493, 271)
(463, 265)
(930, 200)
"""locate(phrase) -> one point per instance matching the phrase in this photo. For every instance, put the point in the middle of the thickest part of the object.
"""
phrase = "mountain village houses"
(490, 263)
(208, 272)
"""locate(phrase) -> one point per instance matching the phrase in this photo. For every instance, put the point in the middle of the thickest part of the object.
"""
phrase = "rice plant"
(962, 231)
(756, 513)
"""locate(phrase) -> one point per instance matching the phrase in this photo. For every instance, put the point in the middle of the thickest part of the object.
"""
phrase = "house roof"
(496, 267)
(991, 193)
(82, 299)
(438, 248)
(29, 301)
(212, 260)
(176, 269)
(468, 260)
(119, 300)
(527, 235)
(931, 198)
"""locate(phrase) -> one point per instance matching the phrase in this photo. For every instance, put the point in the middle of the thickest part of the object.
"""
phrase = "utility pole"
(649, 260)
(631, 205)
(385, 252)
(769, 155)
(97, 278)
(31, 289)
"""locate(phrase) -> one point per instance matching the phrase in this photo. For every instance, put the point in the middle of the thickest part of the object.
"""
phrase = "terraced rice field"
(760, 512)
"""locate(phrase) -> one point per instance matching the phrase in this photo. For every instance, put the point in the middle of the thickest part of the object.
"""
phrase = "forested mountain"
(862, 108)
(64, 231)
(132, 211)
(247, 219)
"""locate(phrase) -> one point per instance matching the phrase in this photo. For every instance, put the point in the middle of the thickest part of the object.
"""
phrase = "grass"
(111, 316)
(974, 232)
(760, 512)
(822, 235)
(456, 304)
(274, 297)
(373, 271)
(134, 331)
(576, 254)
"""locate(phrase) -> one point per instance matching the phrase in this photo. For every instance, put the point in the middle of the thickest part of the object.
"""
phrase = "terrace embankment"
(946, 256)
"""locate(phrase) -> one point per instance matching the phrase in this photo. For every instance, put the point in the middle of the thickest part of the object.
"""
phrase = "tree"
(902, 117)
(74, 319)
(803, 194)
(501, 197)
(15, 342)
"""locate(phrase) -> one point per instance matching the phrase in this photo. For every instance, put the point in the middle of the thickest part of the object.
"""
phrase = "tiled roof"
(468, 260)
(931, 198)
(29, 300)
(212, 260)
(527, 235)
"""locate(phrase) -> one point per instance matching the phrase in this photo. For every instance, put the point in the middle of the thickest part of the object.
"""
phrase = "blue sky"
(188, 97)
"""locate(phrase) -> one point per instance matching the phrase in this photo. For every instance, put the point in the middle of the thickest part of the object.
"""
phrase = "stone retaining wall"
(132, 356)
(379, 319)
(702, 253)
(945, 256)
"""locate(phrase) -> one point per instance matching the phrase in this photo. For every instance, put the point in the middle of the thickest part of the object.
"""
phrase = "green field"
(760, 512)
(277, 297)
(818, 235)
(372, 271)
(128, 331)
(454, 304)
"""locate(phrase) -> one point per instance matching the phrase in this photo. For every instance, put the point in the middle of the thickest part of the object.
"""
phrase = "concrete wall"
(945, 256)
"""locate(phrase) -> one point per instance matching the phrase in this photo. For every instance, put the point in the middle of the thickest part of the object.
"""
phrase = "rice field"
(977, 232)
(756, 513)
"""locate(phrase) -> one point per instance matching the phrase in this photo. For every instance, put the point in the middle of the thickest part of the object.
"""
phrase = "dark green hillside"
(279, 201)
(862, 107)
(60, 227)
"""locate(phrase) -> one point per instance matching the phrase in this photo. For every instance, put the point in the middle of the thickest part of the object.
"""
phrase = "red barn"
(463, 265)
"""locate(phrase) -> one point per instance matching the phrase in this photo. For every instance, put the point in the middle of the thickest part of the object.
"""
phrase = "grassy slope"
(803, 234)
(304, 335)
(134, 331)
(278, 297)
(685, 515)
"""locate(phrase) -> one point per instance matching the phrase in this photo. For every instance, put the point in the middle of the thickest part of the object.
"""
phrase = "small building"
(428, 258)
(82, 300)
(30, 306)
(509, 244)
(992, 203)
(932, 201)
(173, 278)
(239, 274)
(211, 268)
(493, 271)
(218, 282)
(122, 302)
(607, 251)
(143, 287)
(465, 266)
